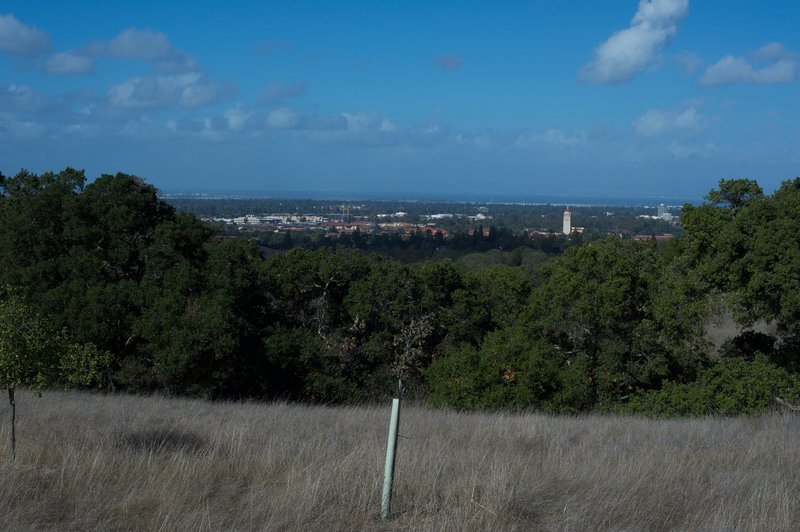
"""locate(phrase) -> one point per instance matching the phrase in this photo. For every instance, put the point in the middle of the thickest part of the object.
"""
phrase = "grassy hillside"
(123, 462)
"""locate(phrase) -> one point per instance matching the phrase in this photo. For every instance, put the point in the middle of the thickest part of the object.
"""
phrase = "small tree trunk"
(13, 404)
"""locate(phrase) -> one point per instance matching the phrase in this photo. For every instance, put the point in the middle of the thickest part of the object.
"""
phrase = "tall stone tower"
(567, 229)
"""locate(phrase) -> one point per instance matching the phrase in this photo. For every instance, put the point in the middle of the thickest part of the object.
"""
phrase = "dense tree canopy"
(607, 324)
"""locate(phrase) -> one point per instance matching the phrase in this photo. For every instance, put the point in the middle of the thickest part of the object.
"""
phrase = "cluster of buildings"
(398, 222)
(331, 224)
(663, 214)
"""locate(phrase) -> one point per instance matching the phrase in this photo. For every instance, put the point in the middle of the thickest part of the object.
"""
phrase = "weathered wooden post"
(391, 453)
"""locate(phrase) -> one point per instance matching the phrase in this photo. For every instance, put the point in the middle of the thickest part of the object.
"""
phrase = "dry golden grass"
(120, 462)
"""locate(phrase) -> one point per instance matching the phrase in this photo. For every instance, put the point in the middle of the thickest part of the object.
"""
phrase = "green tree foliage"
(595, 306)
(610, 318)
(610, 322)
(508, 370)
(709, 233)
(730, 387)
(108, 227)
(29, 351)
(765, 263)
(32, 211)
(735, 193)
(745, 248)
(34, 354)
(334, 356)
(75, 251)
(198, 331)
(405, 306)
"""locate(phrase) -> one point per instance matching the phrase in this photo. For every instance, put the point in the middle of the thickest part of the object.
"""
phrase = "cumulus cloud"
(144, 45)
(683, 151)
(359, 128)
(186, 90)
(205, 129)
(367, 121)
(131, 44)
(448, 62)
(283, 118)
(21, 99)
(559, 137)
(280, 91)
(553, 137)
(27, 114)
(628, 52)
(141, 127)
(773, 52)
(657, 122)
(12, 128)
(67, 63)
(18, 39)
(779, 66)
(236, 117)
(549, 139)
(476, 138)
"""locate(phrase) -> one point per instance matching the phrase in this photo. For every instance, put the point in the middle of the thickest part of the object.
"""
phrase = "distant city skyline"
(657, 98)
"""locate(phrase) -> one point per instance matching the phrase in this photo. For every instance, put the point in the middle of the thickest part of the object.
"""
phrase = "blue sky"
(412, 98)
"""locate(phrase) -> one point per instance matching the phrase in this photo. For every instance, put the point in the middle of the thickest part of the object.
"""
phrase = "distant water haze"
(575, 200)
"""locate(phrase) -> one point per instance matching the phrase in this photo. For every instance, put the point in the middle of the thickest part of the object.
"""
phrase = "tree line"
(416, 246)
(609, 325)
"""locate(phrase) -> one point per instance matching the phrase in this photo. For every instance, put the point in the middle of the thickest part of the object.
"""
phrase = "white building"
(567, 228)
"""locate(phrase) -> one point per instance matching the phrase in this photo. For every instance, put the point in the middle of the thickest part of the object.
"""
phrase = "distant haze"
(453, 197)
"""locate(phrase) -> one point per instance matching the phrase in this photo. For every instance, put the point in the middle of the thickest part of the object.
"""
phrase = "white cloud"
(66, 63)
(144, 45)
(682, 151)
(364, 128)
(362, 121)
(12, 128)
(553, 137)
(21, 99)
(210, 131)
(627, 52)
(237, 116)
(279, 91)
(480, 140)
(387, 126)
(558, 137)
(730, 70)
(18, 39)
(131, 44)
(137, 44)
(657, 122)
(203, 93)
(187, 90)
(770, 52)
(773, 52)
(59, 114)
(283, 118)
(141, 127)
(205, 129)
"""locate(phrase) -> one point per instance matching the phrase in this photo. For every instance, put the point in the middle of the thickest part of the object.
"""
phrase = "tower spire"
(567, 226)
